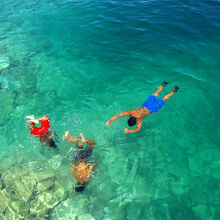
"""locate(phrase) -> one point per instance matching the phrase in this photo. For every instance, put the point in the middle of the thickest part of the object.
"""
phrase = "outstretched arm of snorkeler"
(139, 125)
(157, 92)
(70, 138)
(175, 89)
(83, 138)
(43, 118)
(118, 116)
(89, 141)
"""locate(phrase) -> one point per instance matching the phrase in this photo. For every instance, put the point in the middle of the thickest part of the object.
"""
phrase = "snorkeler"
(151, 105)
(43, 132)
(82, 173)
(81, 153)
(83, 170)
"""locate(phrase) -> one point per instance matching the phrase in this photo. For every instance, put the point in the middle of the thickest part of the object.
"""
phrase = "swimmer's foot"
(164, 84)
(175, 88)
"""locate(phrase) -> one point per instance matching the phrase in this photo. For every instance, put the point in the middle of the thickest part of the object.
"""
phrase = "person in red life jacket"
(43, 132)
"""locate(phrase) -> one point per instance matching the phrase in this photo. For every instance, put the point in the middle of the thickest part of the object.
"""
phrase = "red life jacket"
(42, 130)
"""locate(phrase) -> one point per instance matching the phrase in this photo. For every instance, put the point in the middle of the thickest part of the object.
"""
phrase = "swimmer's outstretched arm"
(139, 125)
(157, 92)
(117, 116)
(71, 139)
(83, 139)
(43, 118)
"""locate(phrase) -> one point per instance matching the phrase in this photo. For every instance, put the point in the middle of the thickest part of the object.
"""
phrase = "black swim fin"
(175, 88)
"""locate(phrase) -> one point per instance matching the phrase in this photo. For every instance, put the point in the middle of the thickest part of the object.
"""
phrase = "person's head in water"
(132, 121)
(79, 187)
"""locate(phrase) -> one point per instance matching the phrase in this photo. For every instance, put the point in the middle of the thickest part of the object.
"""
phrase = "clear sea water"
(81, 62)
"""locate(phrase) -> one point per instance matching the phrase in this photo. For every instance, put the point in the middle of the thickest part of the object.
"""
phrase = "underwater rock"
(194, 197)
(8, 178)
(142, 188)
(156, 210)
(66, 182)
(4, 63)
(19, 185)
(9, 215)
(47, 45)
(133, 211)
(4, 200)
(22, 188)
(48, 174)
(45, 185)
(109, 187)
(19, 207)
(178, 210)
(42, 204)
(201, 212)
(119, 210)
(215, 210)
(70, 208)
(85, 217)
(6, 100)
(55, 162)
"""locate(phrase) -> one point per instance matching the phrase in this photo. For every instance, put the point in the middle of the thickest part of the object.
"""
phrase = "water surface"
(82, 62)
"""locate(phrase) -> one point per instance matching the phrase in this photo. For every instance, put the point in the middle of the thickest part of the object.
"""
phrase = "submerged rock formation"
(4, 63)
(25, 194)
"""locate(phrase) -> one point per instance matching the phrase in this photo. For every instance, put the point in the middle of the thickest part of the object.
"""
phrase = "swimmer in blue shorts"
(151, 105)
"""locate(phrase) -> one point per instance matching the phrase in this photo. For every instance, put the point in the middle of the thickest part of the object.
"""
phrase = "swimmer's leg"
(48, 140)
(175, 89)
(43, 139)
(157, 92)
(52, 144)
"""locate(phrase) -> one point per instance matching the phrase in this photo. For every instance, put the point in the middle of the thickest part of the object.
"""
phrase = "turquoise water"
(82, 62)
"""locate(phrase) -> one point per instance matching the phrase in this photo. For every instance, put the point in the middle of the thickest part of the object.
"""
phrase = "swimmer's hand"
(126, 130)
(30, 117)
(66, 135)
(108, 122)
(83, 138)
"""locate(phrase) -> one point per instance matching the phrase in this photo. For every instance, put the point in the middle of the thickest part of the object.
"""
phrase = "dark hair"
(132, 121)
(79, 187)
